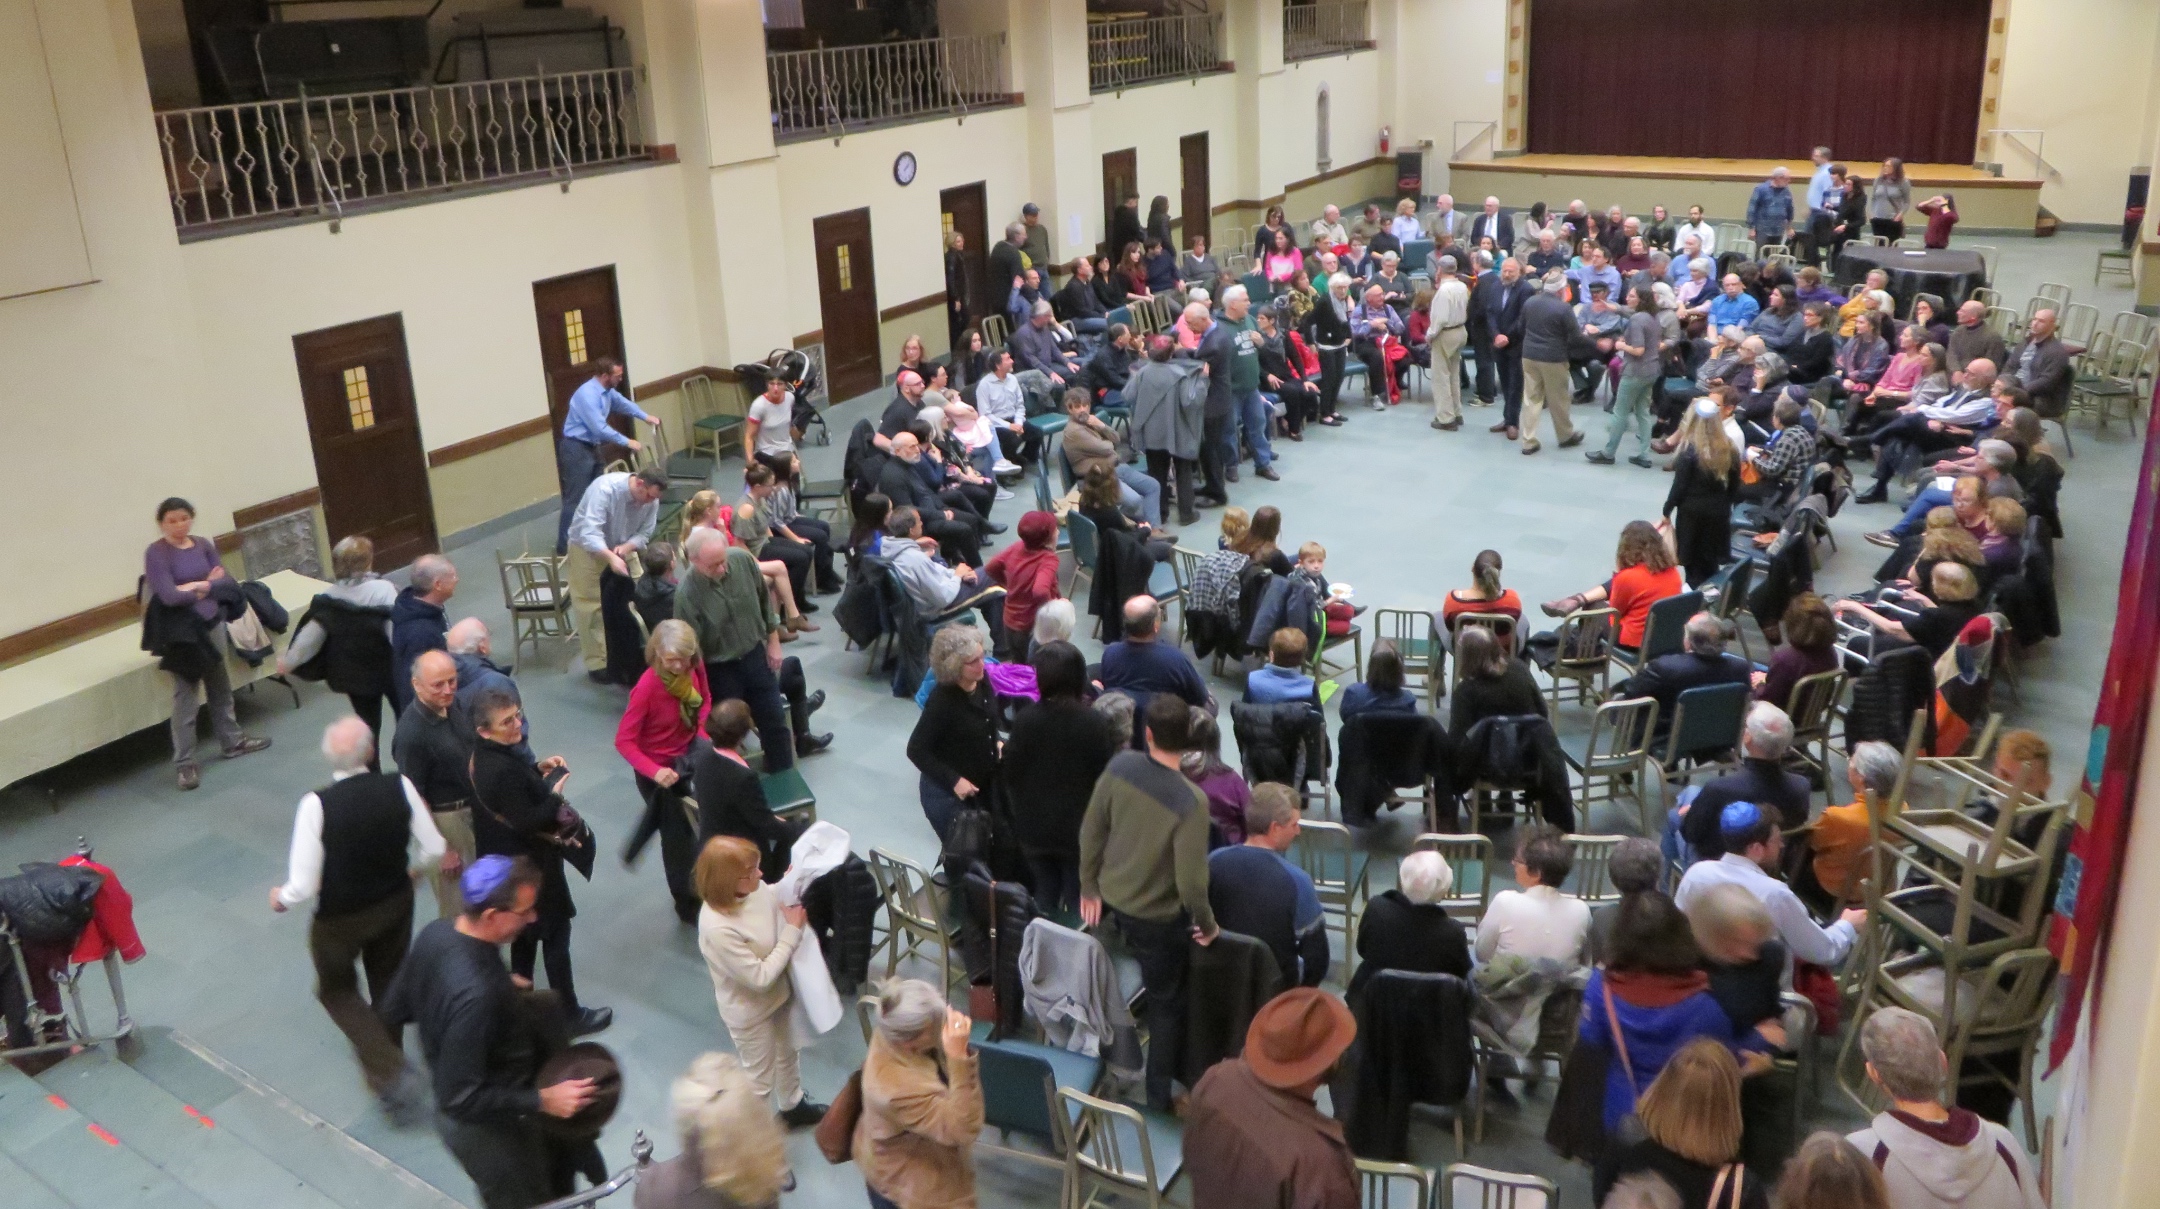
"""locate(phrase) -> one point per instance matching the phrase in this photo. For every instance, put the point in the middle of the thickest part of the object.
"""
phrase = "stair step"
(51, 1144)
(218, 1134)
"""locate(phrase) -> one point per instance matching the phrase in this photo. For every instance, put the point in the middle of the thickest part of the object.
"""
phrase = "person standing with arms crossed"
(585, 432)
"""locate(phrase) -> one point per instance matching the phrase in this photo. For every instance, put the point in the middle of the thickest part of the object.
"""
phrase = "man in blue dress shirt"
(585, 430)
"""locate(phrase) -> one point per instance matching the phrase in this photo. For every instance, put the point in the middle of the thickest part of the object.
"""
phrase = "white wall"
(1152, 120)
(2083, 71)
(1288, 145)
(1463, 85)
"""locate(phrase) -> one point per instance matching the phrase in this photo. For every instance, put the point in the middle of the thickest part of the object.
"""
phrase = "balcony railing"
(830, 91)
(1122, 54)
(1332, 27)
(228, 167)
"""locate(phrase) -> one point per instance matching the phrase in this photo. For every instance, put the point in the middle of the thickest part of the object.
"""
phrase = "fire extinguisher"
(1383, 140)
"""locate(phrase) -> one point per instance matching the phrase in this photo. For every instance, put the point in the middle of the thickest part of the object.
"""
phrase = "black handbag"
(572, 833)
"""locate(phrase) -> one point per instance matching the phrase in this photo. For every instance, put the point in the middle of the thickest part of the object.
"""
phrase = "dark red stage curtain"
(1751, 79)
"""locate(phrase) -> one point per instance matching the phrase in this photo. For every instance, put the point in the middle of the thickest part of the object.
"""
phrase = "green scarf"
(684, 689)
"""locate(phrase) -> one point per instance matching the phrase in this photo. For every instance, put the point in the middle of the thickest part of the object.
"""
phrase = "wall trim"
(551, 506)
(905, 309)
(256, 514)
(487, 442)
(95, 620)
(662, 386)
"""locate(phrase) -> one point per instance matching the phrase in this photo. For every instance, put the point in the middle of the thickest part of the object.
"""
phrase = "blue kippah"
(483, 877)
(1739, 817)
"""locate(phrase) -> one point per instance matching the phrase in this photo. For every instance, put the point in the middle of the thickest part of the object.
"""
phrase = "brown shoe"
(1663, 446)
(190, 775)
(247, 746)
(802, 625)
(788, 634)
(1563, 606)
(1530, 447)
(1500, 428)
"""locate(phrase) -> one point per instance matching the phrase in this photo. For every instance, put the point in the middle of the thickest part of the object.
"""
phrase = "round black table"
(1947, 273)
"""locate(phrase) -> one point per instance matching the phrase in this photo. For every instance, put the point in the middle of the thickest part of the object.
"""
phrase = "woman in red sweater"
(1028, 570)
(667, 709)
(1644, 574)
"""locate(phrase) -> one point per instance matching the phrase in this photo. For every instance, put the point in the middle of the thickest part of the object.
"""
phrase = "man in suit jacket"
(1497, 309)
(1702, 662)
(1446, 220)
(2041, 365)
(1496, 224)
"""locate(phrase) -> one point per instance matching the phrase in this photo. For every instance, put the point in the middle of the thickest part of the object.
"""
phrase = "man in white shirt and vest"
(351, 852)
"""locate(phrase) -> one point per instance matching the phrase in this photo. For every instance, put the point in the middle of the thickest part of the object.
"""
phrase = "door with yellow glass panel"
(357, 388)
(580, 322)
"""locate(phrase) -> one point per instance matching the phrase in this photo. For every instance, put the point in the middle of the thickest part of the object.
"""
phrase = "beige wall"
(1428, 103)
(2088, 73)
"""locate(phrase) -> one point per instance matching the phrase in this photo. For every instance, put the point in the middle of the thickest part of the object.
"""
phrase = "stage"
(1986, 203)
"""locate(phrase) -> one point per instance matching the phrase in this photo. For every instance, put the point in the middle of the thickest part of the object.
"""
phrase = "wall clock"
(903, 168)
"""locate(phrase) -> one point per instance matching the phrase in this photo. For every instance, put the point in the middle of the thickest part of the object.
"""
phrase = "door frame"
(558, 412)
(978, 249)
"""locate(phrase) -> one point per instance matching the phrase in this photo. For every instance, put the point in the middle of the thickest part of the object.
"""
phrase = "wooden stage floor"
(1957, 176)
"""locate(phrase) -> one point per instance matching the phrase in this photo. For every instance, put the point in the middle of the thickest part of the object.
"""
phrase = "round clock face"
(903, 168)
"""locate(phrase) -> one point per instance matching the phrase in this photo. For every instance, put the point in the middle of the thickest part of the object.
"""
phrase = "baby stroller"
(799, 371)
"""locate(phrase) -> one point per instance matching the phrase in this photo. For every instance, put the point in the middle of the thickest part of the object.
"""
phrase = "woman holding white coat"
(748, 939)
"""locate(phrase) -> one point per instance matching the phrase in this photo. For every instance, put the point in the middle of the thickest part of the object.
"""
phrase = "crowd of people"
(1106, 779)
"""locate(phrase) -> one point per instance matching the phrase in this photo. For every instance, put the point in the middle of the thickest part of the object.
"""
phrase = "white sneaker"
(1377, 405)
(1004, 494)
(1004, 467)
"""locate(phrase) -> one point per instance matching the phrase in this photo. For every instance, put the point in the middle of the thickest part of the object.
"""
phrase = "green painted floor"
(1402, 510)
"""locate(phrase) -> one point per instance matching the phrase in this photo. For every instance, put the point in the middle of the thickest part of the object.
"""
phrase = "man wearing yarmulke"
(479, 1048)
(1753, 843)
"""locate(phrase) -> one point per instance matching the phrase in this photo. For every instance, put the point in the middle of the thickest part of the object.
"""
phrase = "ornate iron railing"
(1122, 54)
(1331, 27)
(833, 90)
(231, 166)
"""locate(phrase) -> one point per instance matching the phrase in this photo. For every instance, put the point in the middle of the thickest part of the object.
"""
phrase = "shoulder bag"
(983, 996)
(1630, 1129)
(571, 833)
(1719, 1197)
(835, 1131)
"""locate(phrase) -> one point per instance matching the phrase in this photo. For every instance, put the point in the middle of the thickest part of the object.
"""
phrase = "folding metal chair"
(1593, 859)
(1583, 654)
(1663, 632)
(1617, 759)
(1394, 1185)
(1416, 638)
(1705, 733)
(537, 594)
(1469, 858)
(1499, 625)
(1113, 1151)
(914, 914)
(1328, 854)
(1467, 1186)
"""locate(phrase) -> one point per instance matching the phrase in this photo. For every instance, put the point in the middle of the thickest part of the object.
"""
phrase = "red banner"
(2085, 905)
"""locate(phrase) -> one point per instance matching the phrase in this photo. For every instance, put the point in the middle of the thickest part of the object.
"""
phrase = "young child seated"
(1283, 678)
(1312, 565)
(653, 595)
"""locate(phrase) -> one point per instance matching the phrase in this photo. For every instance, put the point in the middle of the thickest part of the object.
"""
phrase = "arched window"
(1320, 130)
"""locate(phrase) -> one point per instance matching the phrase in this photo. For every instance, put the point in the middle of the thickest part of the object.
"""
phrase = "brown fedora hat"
(1296, 1036)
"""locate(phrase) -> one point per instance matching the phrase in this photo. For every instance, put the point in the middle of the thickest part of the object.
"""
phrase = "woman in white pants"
(748, 939)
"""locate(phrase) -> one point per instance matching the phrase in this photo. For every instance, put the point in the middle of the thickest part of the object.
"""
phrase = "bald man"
(432, 751)
(349, 845)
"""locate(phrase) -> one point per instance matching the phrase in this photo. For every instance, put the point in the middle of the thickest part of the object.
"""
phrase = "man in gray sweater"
(1550, 335)
(1143, 853)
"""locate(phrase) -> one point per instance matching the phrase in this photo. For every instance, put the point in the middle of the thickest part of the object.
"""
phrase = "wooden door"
(847, 303)
(580, 322)
(964, 210)
(1120, 180)
(1193, 166)
(369, 466)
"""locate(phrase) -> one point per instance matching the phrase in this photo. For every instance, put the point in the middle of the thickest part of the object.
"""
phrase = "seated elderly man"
(1407, 929)
(1931, 1156)
(934, 586)
(1088, 443)
(1549, 255)
(1702, 662)
(1839, 837)
(1994, 463)
(959, 532)
(1254, 890)
(1918, 429)
(1002, 400)
(1142, 666)
(1761, 779)
(1044, 365)
(1603, 323)
(1754, 846)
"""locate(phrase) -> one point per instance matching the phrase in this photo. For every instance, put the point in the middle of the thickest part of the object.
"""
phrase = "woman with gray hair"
(732, 1149)
(348, 626)
(1118, 709)
(1839, 837)
(922, 1103)
(1054, 622)
(955, 742)
(1407, 929)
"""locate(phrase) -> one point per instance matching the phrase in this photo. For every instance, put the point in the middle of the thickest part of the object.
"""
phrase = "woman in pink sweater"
(667, 709)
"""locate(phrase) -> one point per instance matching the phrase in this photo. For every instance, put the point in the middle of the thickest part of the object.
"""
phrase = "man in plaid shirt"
(1789, 455)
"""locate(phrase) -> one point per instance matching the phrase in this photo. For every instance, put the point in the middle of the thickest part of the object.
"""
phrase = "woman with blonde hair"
(748, 938)
(922, 1103)
(1830, 1173)
(1943, 539)
(733, 1152)
(668, 706)
(1691, 1116)
(1706, 484)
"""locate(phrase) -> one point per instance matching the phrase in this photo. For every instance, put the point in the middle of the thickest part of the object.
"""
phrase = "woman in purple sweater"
(180, 570)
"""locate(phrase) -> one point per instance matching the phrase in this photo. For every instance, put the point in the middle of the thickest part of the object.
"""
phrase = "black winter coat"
(355, 654)
(1413, 1047)
(843, 907)
(514, 814)
(1381, 752)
